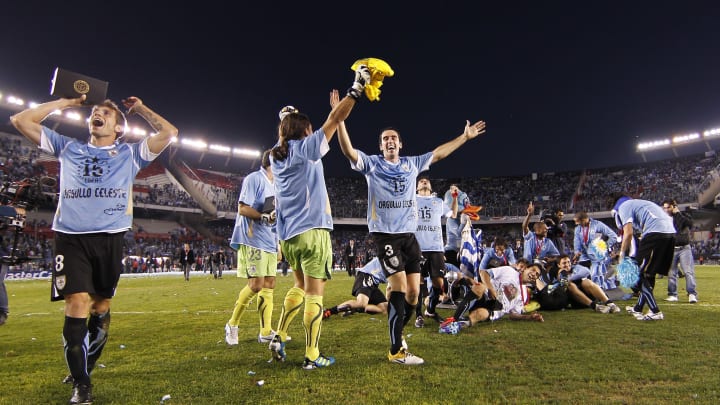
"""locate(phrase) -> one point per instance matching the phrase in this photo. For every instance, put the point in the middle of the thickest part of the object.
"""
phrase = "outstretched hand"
(471, 131)
(537, 317)
(334, 98)
(132, 103)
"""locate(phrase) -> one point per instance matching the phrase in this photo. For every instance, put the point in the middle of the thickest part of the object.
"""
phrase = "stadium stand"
(167, 216)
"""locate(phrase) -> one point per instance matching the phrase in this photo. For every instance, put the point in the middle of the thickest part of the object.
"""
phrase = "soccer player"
(392, 220)
(431, 209)
(366, 290)
(537, 245)
(655, 249)
(455, 224)
(304, 220)
(501, 292)
(498, 254)
(586, 233)
(255, 240)
(94, 212)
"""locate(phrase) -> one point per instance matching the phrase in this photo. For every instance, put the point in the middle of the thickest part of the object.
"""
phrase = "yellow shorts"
(310, 252)
(253, 262)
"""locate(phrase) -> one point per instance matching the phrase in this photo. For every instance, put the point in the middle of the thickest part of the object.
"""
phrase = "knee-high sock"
(291, 306)
(98, 327)
(246, 294)
(396, 314)
(419, 306)
(646, 293)
(75, 337)
(466, 302)
(434, 299)
(265, 301)
(408, 312)
(312, 320)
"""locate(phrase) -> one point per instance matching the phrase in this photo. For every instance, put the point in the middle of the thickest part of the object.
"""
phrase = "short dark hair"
(670, 201)
(389, 129)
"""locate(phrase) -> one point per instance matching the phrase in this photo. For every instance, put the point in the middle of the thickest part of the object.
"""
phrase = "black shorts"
(365, 284)
(398, 252)
(485, 302)
(451, 256)
(655, 253)
(90, 262)
(434, 265)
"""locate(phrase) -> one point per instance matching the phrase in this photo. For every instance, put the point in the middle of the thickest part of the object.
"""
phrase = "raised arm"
(165, 130)
(526, 221)
(341, 110)
(471, 131)
(343, 136)
(27, 122)
(454, 191)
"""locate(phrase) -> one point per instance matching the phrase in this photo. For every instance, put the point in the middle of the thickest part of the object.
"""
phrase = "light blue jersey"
(585, 235)
(646, 217)
(392, 207)
(301, 198)
(453, 232)
(506, 259)
(430, 209)
(256, 187)
(374, 269)
(534, 248)
(454, 226)
(95, 183)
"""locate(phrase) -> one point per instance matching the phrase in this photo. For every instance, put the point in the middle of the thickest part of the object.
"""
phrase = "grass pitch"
(167, 339)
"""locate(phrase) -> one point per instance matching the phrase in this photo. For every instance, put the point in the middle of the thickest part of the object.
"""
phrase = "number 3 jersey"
(95, 183)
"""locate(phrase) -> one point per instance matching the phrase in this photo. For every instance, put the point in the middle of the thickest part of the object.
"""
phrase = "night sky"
(562, 86)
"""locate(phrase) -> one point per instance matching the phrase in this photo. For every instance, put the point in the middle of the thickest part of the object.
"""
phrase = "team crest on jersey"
(405, 167)
(367, 282)
(113, 152)
(60, 282)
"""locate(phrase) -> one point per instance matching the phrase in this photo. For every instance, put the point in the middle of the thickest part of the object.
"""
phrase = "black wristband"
(352, 92)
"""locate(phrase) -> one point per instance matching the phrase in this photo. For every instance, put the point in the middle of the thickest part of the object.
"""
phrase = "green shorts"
(253, 262)
(310, 252)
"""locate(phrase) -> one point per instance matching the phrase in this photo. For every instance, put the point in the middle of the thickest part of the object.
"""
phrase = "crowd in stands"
(681, 178)
(167, 195)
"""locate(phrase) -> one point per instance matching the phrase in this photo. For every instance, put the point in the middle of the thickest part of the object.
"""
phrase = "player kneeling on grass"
(366, 290)
(501, 292)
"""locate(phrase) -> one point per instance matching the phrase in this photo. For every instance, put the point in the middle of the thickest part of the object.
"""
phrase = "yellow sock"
(265, 303)
(246, 294)
(312, 321)
(291, 306)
